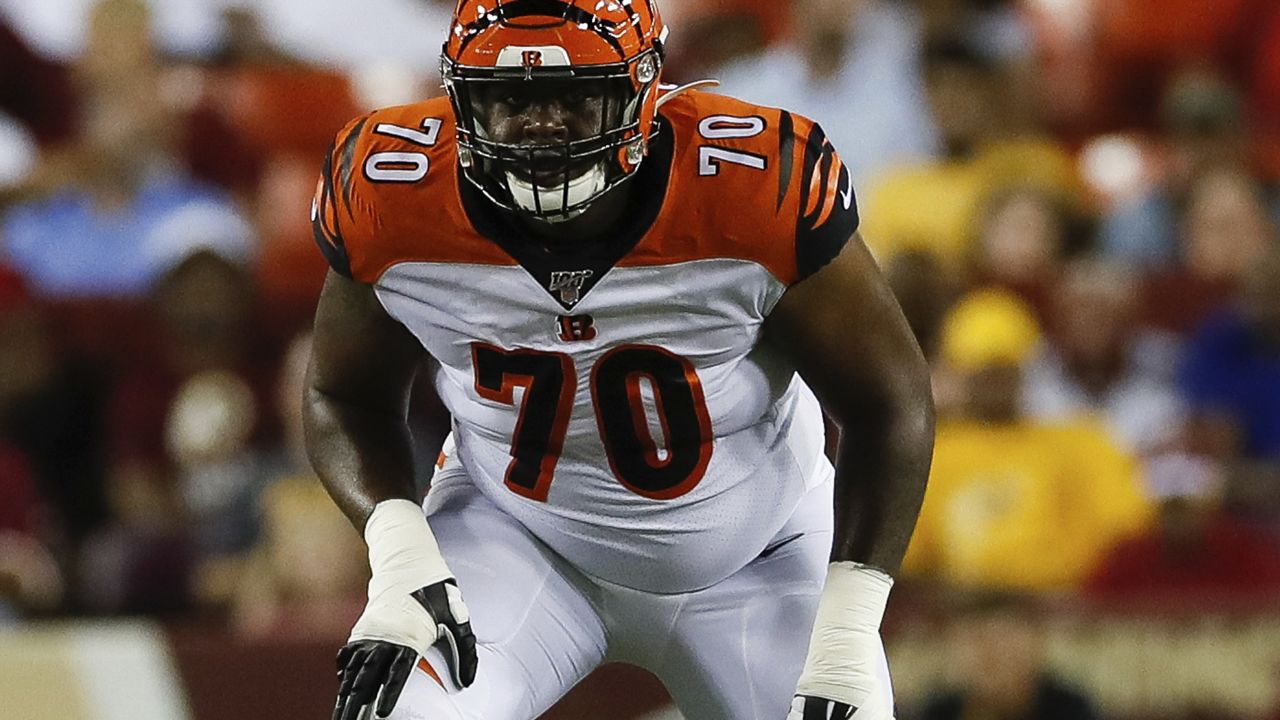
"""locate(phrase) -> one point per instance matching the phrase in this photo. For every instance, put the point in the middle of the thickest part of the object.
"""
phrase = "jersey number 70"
(549, 383)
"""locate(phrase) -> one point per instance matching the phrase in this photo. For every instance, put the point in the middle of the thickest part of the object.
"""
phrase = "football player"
(633, 297)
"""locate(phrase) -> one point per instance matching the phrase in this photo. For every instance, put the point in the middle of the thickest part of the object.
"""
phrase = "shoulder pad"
(772, 181)
(387, 189)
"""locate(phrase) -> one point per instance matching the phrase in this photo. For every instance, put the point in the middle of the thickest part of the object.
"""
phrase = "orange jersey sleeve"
(388, 193)
(332, 198)
(758, 183)
(828, 209)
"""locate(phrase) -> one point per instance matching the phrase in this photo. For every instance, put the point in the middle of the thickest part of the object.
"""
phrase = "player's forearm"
(363, 455)
(881, 473)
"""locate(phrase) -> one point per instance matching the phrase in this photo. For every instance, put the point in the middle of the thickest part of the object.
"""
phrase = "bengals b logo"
(576, 328)
(532, 58)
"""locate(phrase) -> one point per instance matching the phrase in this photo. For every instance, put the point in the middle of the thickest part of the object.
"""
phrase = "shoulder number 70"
(726, 127)
(549, 384)
(403, 167)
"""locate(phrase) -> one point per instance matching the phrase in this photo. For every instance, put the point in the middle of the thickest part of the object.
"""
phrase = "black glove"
(812, 708)
(372, 670)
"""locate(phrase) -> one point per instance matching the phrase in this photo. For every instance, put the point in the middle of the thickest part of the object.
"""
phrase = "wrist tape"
(845, 646)
(403, 553)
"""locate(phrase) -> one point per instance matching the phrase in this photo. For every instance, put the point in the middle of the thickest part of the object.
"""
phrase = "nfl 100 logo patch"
(569, 285)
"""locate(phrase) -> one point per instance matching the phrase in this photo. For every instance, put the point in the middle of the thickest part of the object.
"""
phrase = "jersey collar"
(568, 274)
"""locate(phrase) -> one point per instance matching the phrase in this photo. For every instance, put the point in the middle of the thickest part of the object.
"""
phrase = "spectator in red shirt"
(184, 467)
(50, 412)
(1197, 551)
(1140, 44)
(29, 578)
(17, 493)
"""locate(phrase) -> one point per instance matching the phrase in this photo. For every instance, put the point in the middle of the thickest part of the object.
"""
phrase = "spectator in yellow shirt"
(1013, 503)
(936, 206)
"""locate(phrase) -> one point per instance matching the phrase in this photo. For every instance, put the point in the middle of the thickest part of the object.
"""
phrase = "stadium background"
(1074, 200)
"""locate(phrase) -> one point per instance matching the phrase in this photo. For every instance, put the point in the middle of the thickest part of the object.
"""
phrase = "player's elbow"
(318, 418)
(323, 415)
(897, 395)
(913, 398)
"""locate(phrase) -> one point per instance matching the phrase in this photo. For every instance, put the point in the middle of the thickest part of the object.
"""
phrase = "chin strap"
(563, 217)
(549, 203)
(672, 91)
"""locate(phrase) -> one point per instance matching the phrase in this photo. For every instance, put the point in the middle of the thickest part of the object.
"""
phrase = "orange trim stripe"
(425, 667)
(812, 205)
(832, 191)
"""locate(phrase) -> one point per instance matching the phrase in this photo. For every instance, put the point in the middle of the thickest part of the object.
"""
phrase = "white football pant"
(732, 651)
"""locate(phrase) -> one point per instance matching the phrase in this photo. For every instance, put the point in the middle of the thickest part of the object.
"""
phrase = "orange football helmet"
(610, 50)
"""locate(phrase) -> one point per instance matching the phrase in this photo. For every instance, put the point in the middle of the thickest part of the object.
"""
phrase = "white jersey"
(616, 400)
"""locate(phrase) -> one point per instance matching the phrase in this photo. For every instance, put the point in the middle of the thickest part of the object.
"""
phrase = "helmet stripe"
(653, 24)
(565, 12)
(635, 21)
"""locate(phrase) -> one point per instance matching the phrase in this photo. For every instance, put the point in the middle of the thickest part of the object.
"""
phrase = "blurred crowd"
(1074, 200)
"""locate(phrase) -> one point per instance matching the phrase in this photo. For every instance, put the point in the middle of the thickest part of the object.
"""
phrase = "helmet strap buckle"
(647, 69)
(637, 150)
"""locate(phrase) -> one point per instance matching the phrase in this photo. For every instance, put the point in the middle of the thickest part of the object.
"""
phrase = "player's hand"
(813, 708)
(376, 662)
(414, 604)
(846, 676)
(867, 694)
